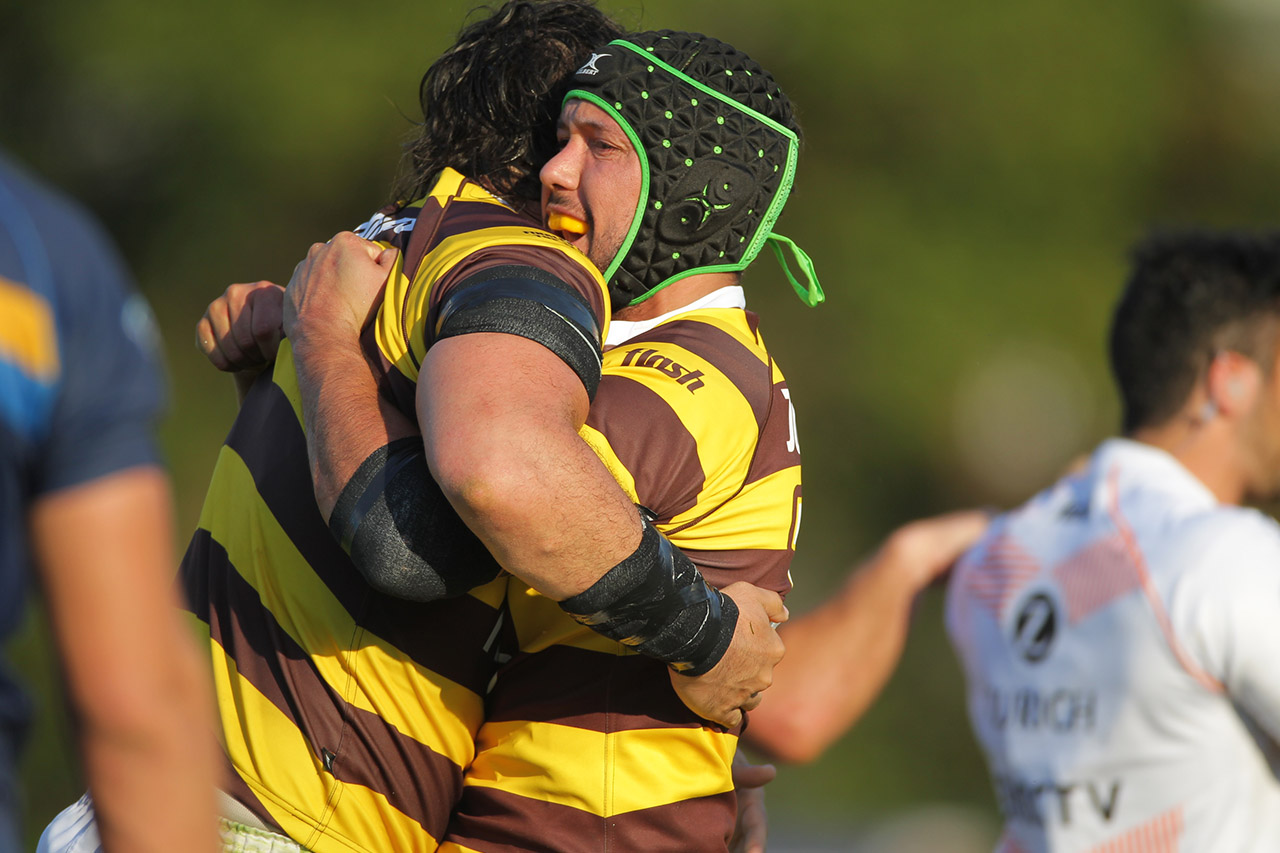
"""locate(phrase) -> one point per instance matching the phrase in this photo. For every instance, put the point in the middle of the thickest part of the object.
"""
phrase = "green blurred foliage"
(971, 177)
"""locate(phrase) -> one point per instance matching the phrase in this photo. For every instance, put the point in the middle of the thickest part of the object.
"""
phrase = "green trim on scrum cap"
(719, 96)
(641, 154)
(776, 204)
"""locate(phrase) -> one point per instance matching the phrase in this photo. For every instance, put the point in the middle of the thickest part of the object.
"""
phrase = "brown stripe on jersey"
(760, 567)
(416, 243)
(238, 790)
(772, 454)
(751, 376)
(193, 576)
(392, 384)
(365, 749)
(446, 637)
(494, 821)
(464, 216)
(590, 690)
(651, 442)
(400, 390)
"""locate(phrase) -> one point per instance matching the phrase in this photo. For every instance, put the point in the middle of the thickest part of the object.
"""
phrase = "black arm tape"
(657, 601)
(531, 303)
(401, 532)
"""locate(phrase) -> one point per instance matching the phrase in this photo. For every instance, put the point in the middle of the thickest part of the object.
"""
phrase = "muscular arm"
(136, 682)
(500, 418)
(347, 419)
(840, 655)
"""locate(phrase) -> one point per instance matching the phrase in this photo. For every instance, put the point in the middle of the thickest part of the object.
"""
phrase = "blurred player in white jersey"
(1120, 633)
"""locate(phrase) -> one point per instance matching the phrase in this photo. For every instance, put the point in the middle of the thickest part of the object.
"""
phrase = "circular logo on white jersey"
(1035, 627)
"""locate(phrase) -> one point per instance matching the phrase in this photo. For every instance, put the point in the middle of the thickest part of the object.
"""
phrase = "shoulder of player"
(1225, 538)
(459, 222)
(464, 251)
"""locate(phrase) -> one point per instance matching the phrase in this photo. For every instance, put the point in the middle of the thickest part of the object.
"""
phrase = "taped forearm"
(401, 532)
(657, 601)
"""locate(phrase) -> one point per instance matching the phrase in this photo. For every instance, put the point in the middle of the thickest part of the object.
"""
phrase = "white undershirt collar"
(730, 296)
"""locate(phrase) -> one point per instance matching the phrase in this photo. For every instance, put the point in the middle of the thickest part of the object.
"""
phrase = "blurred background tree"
(971, 177)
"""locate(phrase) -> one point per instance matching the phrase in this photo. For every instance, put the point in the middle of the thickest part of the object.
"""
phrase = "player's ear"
(1232, 381)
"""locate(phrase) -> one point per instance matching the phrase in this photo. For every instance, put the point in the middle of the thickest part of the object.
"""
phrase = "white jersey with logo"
(1120, 636)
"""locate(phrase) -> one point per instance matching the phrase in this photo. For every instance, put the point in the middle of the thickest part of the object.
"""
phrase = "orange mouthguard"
(562, 222)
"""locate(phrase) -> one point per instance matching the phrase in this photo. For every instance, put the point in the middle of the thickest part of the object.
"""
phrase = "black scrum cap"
(717, 146)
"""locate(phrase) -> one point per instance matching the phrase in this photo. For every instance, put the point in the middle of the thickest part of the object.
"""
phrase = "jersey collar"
(1152, 465)
(621, 331)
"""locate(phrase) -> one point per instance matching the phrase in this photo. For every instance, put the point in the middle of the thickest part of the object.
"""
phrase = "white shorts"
(75, 830)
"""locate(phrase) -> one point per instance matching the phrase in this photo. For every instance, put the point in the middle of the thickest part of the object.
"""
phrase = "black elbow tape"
(531, 303)
(657, 601)
(401, 532)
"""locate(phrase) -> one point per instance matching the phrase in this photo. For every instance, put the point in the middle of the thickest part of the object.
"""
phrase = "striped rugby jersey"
(347, 715)
(586, 747)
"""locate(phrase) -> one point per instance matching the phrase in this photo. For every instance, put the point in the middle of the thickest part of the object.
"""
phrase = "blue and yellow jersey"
(81, 385)
(586, 746)
(349, 716)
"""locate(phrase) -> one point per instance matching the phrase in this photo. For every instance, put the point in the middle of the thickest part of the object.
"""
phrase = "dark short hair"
(1190, 295)
(490, 102)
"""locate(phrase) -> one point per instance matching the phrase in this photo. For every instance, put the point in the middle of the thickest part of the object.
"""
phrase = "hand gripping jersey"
(1120, 635)
(586, 746)
(348, 716)
(81, 387)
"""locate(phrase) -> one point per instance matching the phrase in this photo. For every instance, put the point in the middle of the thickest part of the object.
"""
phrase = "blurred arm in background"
(140, 696)
(840, 655)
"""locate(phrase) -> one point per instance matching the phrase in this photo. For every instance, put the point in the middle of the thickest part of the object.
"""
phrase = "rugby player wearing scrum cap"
(678, 153)
(701, 434)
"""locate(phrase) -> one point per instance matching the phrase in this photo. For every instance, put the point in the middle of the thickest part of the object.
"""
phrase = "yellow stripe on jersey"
(599, 444)
(28, 333)
(373, 676)
(717, 414)
(452, 184)
(402, 333)
(286, 379)
(387, 327)
(757, 518)
(540, 623)
(276, 750)
(609, 774)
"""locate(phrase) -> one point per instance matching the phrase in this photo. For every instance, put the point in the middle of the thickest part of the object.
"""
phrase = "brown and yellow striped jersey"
(586, 747)
(348, 716)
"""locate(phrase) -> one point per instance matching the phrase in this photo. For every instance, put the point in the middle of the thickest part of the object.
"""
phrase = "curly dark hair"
(489, 103)
(1190, 295)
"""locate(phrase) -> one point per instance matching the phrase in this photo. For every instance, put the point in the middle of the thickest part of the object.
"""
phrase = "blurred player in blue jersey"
(84, 501)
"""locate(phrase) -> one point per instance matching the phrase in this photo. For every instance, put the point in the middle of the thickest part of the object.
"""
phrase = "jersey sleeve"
(695, 426)
(1227, 609)
(517, 281)
(112, 388)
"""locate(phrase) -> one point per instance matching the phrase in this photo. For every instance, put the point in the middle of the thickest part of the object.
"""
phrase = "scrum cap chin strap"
(716, 170)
